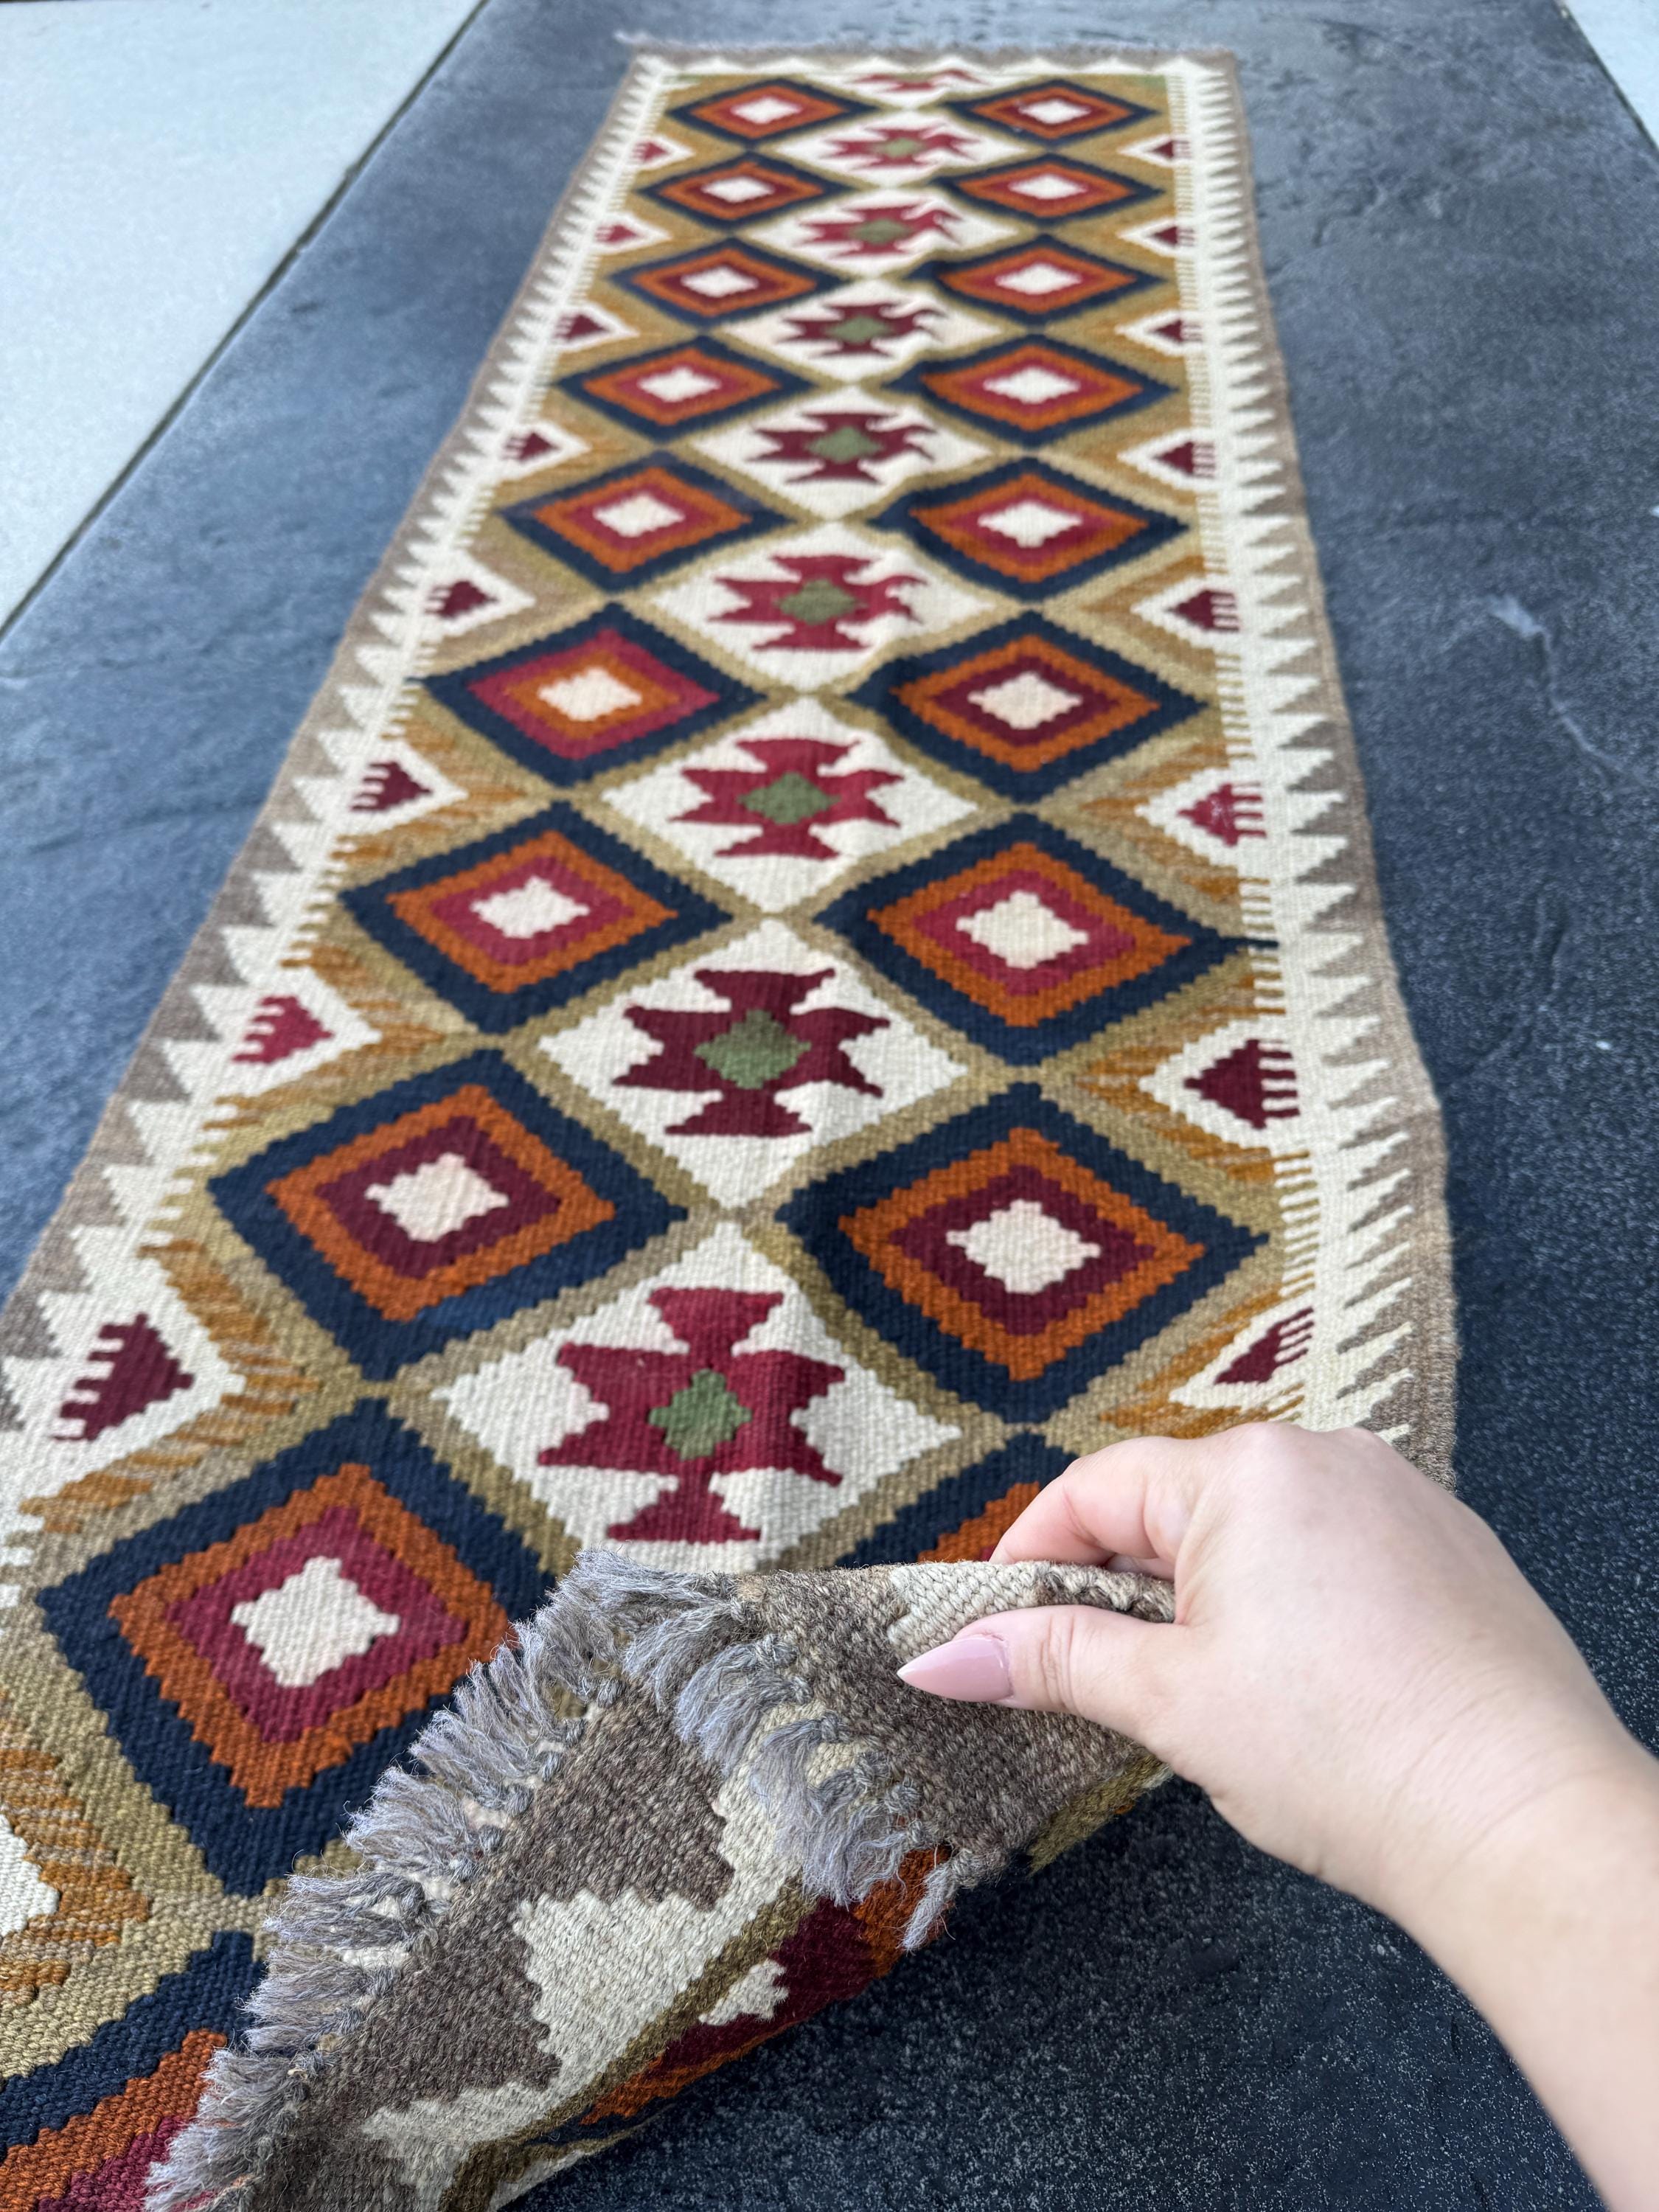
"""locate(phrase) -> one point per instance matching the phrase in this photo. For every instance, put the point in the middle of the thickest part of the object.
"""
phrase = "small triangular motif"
(1227, 813)
(1255, 1081)
(130, 1370)
(387, 784)
(281, 1027)
(1276, 1347)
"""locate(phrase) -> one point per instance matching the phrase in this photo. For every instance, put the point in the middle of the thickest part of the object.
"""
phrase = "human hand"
(1358, 1674)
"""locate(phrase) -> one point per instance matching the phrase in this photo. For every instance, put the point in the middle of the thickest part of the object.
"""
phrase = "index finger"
(1132, 1501)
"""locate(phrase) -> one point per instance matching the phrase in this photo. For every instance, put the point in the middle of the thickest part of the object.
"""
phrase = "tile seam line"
(251, 307)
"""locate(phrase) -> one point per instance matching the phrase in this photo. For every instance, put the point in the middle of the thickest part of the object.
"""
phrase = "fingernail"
(974, 1669)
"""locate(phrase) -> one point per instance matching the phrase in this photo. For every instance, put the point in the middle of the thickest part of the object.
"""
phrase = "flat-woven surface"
(816, 956)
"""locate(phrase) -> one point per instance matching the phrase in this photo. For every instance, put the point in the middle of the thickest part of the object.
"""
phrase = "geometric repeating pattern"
(766, 1018)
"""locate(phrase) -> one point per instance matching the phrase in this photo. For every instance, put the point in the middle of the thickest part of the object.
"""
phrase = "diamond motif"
(1034, 390)
(909, 1240)
(741, 190)
(1027, 529)
(777, 810)
(859, 329)
(969, 706)
(608, 690)
(742, 1062)
(1023, 937)
(531, 1204)
(1055, 110)
(704, 1419)
(755, 112)
(661, 394)
(639, 521)
(257, 1719)
(1039, 281)
(1051, 187)
(527, 921)
(808, 610)
(713, 283)
(837, 453)
(872, 233)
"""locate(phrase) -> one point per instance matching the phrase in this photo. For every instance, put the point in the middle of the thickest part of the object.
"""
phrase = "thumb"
(1105, 1667)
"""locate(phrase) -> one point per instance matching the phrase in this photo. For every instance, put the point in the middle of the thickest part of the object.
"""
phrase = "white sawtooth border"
(1344, 1241)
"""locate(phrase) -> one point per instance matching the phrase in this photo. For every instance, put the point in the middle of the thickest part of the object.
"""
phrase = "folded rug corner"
(548, 1922)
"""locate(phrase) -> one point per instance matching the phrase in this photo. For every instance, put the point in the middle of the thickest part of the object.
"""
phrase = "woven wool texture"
(816, 956)
(565, 1922)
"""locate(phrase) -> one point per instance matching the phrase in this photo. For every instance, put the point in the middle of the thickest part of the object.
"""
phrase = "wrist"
(1523, 1859)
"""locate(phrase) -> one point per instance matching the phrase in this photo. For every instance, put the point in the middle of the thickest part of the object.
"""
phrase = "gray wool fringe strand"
(340, 1943)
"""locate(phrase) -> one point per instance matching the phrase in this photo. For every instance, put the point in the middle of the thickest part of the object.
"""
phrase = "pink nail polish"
(971, 1668)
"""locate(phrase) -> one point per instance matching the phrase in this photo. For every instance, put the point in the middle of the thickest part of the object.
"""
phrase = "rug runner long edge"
(169, 1356)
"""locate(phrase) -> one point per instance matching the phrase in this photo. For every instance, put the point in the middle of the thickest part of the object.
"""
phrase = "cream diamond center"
(1038, 278)
(529, 909)
(766, 107)
(1024, 1248)
(1047, 185)
(1030, 385)
(1025, 702)
(437, 1198)
(311, 1623)
(719, 282)
(1029, 523)
(1022, 932)
(671, 385)
(586, 696)
(1054, 111)
(638, 516)
(735, 190)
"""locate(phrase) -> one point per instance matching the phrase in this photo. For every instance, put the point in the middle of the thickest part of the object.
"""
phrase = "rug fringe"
(692, 1643)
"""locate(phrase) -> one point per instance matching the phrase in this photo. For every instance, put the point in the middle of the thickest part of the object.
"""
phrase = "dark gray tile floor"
(1458, 217)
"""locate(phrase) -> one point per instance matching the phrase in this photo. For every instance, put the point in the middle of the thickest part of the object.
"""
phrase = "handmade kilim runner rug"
(816, 957)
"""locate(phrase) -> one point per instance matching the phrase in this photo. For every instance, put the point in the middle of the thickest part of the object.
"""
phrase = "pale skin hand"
(1363, 1683)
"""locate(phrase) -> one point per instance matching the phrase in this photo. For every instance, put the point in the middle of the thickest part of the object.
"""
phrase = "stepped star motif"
(740, 1062)
(862, 329)
(871, 233)
(811, 609)
(780, 809)
(817, 596)
(704, 1416)
(760, 1042)
(707, 1410)
(785, 804)
(833, 456)
(906, 146)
